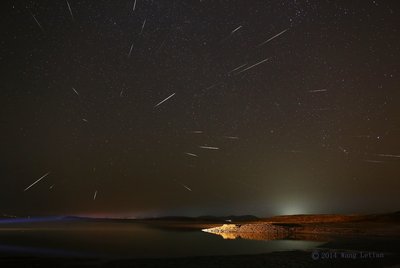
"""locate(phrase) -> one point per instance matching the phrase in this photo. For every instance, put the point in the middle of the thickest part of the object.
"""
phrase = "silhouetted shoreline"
(349, 241)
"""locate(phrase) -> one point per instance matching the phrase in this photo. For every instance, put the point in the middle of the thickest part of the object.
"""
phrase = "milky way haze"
(148, 108)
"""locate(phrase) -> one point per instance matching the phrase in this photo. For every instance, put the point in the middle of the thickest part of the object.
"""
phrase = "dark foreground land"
(274, 259)
(349, 241)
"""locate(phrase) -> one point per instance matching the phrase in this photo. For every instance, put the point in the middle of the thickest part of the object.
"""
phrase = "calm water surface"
(127, 240)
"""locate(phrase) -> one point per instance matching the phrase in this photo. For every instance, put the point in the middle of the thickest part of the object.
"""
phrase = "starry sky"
(150, 108)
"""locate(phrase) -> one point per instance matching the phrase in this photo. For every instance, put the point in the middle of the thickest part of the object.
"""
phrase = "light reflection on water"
(128, 240)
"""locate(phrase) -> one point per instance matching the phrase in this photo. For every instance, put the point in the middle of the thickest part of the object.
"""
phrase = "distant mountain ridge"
(304, 218)
(207, 218)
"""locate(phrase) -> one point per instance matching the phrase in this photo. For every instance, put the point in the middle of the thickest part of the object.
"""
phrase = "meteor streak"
(272, 38)
(164, 100)
(41, 178)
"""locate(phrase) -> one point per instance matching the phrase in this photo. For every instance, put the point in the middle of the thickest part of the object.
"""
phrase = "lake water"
(127, 240)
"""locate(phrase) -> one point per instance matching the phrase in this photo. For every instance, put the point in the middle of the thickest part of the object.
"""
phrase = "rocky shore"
(257, 231)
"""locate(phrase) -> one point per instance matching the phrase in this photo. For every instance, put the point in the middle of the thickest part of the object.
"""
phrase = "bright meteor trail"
(164, 100)
(272, 38)
(209, 147)
(41, 178)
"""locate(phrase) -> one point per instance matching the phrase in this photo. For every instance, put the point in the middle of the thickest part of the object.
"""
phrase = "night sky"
(274, 107)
